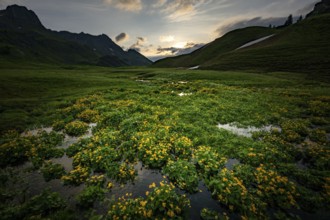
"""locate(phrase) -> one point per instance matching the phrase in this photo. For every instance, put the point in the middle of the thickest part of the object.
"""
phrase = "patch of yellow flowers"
(162, 203)
(76, 176)
(275, 189)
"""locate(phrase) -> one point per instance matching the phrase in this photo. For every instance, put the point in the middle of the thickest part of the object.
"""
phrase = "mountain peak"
(132, 51)
(23, 31)
(19, 17)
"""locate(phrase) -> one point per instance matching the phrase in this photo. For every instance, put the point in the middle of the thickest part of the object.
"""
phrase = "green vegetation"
(32, 90)
(183, 174)
(76, 128)
(16, 149)
(52, 171)
(219, 47)
(44, 47)
(141, 118)
(90, 195)
(302, 47)
(46, 205)
(161, 202)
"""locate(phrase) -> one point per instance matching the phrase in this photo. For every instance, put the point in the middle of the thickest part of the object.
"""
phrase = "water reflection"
(184, 94)
(200, 200)
(231, 163)
(36, 183)
(247, 132)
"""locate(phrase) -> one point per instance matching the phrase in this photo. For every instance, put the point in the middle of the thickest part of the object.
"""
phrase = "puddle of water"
(36, 184)
(145, 177)
(142, 80)
(68, 140)
(201, 200)
(193, 68)
(35, 132)
(231, 163)
(65, 161)
(246, 132)
(184, 94)
(89, 131)
(140, 185)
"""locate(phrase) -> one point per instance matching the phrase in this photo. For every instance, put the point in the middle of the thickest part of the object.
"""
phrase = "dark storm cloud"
(121, 37)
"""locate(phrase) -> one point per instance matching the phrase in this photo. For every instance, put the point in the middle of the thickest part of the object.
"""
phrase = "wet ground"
(248, 131)
(145, 177)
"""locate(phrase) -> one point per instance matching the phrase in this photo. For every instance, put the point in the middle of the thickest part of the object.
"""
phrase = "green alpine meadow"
(237, 129)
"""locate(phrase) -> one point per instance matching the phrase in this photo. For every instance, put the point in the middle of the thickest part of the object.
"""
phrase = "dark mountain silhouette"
(17, 17)
(22, 36)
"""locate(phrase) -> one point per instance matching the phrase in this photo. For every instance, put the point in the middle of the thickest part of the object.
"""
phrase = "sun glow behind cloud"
(180, 44)
(161, 27)
(168, 38)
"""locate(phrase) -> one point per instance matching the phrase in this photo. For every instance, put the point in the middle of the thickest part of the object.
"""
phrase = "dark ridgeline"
(22, 36)
(15, 17)
(322, 7)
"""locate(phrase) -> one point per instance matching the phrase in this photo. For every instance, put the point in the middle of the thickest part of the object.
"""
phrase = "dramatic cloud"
(175, 51)
(138, 45)
(179, 10)
(126, 5)
(168, 23)
(190, 47)
(171, 50)
(159, 3)
(257, 21)
(122, 37)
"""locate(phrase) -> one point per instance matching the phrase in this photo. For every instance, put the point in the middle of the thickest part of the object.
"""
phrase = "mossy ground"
(141, 117)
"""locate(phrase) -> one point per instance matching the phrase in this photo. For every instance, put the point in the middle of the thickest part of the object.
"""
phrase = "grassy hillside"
(40, 46)
(220, 46)
(30, 90)
(302, 47)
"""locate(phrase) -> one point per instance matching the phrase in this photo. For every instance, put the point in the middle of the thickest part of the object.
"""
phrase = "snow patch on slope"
(255, 42)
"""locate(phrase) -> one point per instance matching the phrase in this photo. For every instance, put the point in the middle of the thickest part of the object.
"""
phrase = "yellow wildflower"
(153, 185)
(143, 203)
(170, 213)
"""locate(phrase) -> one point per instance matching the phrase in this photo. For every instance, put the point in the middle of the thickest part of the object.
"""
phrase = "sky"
(160, 28)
